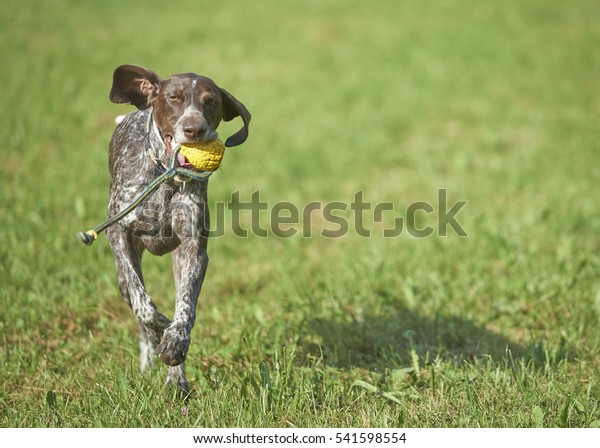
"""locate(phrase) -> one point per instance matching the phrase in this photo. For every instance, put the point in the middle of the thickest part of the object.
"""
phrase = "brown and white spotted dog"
(180, 109)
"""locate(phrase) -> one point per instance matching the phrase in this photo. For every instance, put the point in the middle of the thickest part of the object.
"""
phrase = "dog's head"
(187, 107)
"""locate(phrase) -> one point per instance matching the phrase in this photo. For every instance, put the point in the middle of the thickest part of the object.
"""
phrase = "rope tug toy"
(204, 157)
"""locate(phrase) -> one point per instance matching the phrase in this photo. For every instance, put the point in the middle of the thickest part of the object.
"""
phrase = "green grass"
(497, 103)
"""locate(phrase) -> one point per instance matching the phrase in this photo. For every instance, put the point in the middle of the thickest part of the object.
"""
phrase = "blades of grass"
(373, 389)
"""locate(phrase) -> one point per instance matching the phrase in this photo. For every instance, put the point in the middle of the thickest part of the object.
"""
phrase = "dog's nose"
(193, 128)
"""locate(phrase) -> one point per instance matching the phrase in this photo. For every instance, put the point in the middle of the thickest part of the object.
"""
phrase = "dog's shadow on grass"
(360, 338)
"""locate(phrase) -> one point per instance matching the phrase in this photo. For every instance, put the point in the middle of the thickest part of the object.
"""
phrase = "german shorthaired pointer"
(180, 109)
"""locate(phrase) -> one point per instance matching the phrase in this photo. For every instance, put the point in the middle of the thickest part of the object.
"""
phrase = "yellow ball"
(204, 156)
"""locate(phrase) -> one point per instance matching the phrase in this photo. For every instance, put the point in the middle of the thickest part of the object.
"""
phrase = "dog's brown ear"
(233, 108)
(134, 85)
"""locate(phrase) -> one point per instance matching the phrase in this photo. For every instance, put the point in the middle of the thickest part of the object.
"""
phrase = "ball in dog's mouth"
(201, 156)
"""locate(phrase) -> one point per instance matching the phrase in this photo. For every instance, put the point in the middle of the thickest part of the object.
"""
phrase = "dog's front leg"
(190, 262)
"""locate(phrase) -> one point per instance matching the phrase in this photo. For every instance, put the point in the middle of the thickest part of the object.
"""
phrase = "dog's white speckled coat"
(185, 108)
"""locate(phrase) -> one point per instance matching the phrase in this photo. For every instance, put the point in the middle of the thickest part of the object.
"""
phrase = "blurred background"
(498, 103)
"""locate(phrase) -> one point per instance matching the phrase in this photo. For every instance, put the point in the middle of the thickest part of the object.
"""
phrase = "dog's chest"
(170, 214)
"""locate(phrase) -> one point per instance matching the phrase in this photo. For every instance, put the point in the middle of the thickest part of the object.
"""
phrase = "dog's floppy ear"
(134, 85)
(233, 108)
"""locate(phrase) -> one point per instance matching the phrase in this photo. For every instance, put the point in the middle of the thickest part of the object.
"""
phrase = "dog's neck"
(156, 148)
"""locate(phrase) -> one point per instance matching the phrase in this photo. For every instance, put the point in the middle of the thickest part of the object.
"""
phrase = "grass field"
(497, 103)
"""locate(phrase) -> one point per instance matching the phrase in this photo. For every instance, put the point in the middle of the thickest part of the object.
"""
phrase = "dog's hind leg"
(147, 355)
(176, 377)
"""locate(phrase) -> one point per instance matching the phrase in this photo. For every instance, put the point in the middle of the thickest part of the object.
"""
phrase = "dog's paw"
(173, 347)
(155, 327)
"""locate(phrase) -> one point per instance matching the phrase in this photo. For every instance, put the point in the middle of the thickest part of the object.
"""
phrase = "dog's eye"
(174, 97)
(210, 101)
